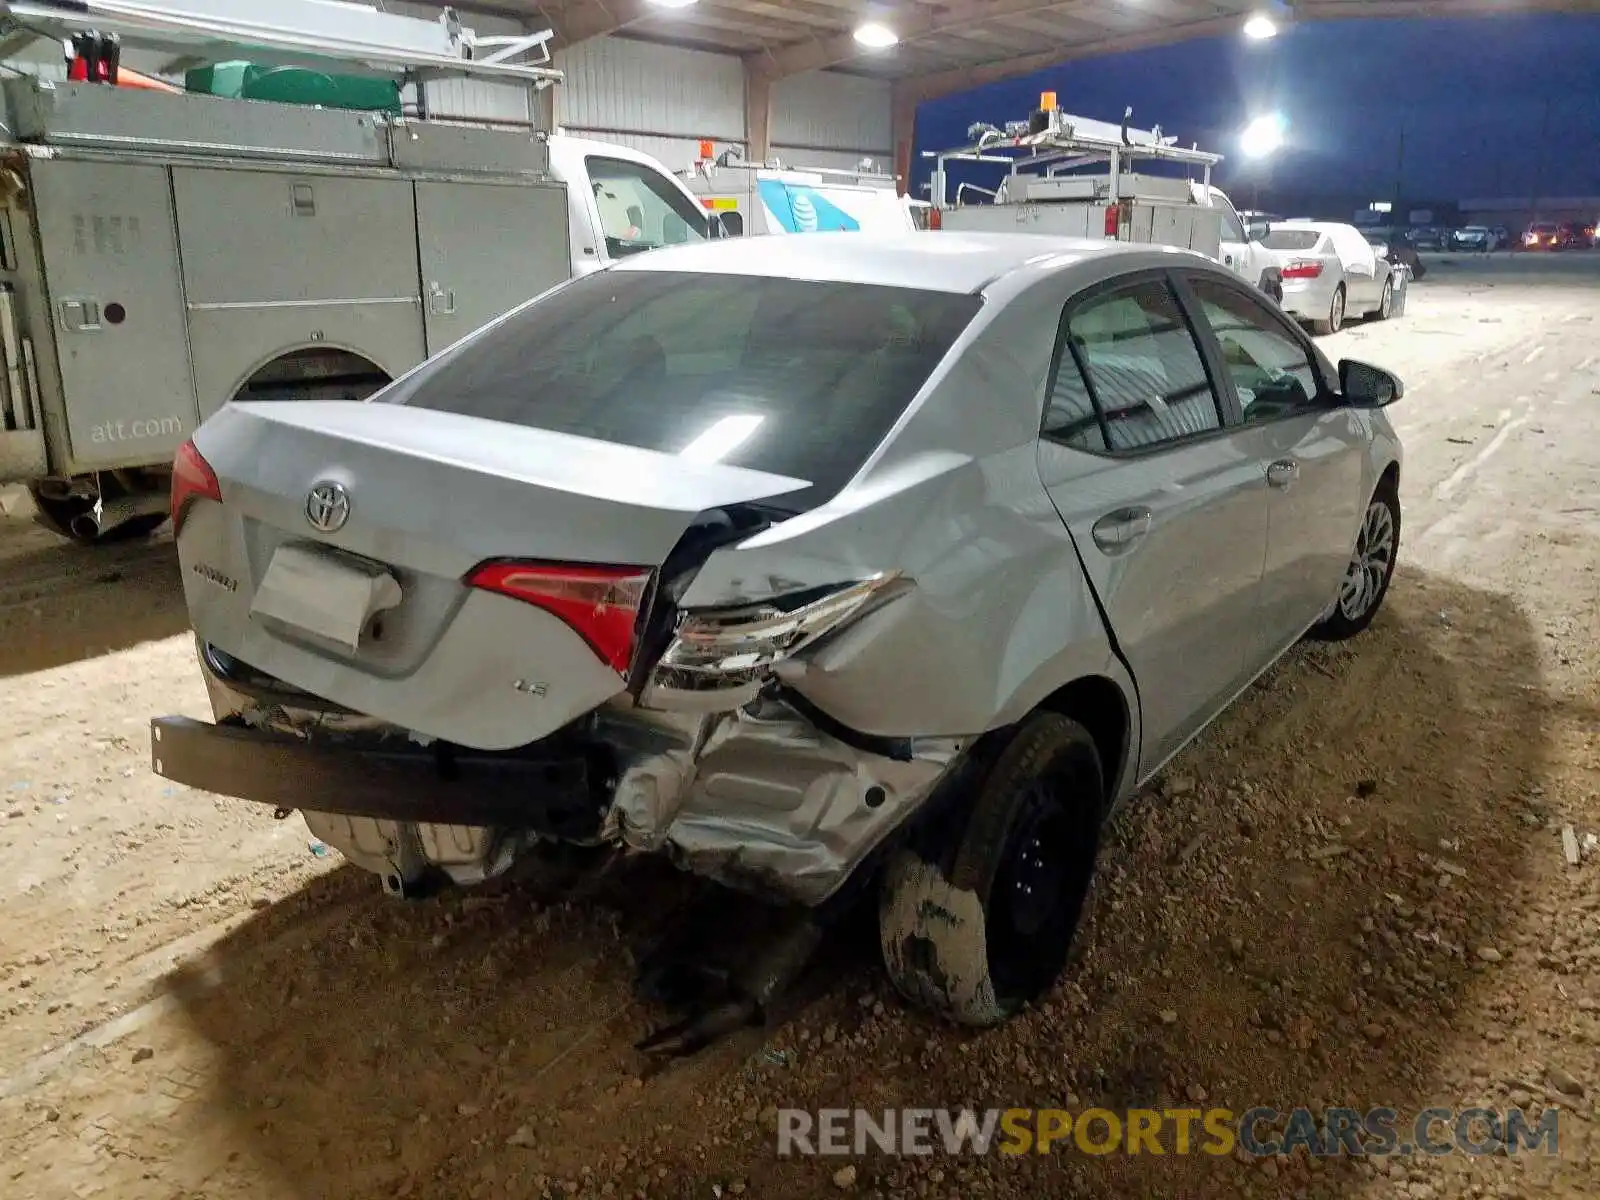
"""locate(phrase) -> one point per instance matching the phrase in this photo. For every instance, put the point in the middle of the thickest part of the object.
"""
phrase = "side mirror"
(1258, 230)
(1366, 386)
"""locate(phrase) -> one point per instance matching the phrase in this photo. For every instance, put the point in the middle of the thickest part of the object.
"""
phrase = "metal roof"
(949, 44)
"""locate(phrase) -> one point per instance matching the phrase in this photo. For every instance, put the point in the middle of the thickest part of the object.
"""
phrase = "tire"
(977, 935)
(1334, 321)
(1385, 303)
(1358, 604)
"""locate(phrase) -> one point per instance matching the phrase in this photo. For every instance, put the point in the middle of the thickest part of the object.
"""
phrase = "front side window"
(1270, 369)
(639, 210)
(1145, 373)
(788, 376)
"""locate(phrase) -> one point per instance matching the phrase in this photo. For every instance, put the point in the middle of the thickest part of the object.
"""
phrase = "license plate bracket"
(333, 598)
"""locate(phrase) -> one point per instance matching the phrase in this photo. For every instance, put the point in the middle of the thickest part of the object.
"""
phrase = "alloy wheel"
(1371, 564)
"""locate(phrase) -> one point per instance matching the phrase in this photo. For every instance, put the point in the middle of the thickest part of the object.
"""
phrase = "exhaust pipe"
(108, 515)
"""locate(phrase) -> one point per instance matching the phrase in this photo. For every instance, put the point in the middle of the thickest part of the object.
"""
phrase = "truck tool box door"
(485, 248)
(111, 262)
(279, 262)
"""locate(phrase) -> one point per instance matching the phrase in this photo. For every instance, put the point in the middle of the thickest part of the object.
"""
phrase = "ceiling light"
(673, 3)
(1260, 27)
(1262, 137)
(875, 36)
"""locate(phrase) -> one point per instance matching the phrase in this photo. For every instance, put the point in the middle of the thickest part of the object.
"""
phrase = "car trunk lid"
(340, 559)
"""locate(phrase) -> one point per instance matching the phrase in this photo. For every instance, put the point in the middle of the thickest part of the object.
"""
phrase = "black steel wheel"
(980, 933)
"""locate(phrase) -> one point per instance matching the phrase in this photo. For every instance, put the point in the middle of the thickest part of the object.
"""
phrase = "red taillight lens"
(935, 218)
(1113, 221)
(192, 479)
(1302, 270)
(601, 604)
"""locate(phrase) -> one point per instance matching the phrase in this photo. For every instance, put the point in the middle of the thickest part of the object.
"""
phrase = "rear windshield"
(1544, 229)
(1292, 239)
(789, 376)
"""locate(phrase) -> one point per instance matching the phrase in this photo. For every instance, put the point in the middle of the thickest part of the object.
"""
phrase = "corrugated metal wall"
(664, 100)
(828, 110)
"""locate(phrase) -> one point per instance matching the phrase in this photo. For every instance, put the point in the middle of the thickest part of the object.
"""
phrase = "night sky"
(1472, 96)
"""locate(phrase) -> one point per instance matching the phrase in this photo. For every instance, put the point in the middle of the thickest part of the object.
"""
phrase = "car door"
(1164, 500)
(1314, 448)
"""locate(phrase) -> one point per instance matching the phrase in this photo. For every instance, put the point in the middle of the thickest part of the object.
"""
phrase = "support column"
(903, 131)
(757, 111)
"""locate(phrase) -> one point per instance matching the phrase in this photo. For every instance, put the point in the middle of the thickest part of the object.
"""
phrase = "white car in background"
(1329, 272)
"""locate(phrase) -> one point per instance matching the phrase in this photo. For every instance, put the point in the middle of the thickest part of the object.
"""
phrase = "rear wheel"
(1386, 304)
(1366, 580)
(1334, 321)
(979, 933)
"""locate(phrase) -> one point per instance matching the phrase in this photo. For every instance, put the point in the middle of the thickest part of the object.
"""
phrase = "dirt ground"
(1351, 890)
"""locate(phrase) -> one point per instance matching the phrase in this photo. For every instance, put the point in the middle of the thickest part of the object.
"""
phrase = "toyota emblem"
(328, 507)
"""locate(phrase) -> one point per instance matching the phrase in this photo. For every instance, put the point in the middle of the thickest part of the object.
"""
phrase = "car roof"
(952, 261)
(1317, 226)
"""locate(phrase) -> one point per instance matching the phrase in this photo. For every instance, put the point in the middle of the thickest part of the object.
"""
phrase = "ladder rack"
(303, 33)
(867, 173)
(1052, 141)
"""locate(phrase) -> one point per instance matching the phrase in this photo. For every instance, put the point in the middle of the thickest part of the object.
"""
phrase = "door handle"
(1117, 531)
(1283, 473)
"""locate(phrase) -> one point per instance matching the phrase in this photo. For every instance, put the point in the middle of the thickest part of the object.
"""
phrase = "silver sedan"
(1330, 273)
(818, 564)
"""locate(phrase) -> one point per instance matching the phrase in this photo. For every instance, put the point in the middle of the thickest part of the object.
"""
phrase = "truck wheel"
(976, 936)
(1335, 318)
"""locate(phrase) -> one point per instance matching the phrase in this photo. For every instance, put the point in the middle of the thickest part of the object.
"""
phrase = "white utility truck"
(772, 198)
(1078, 177)
(163, 252)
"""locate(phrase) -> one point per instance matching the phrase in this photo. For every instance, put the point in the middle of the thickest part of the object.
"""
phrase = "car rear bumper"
(769, 799)
(408, 782)
(1308, 299)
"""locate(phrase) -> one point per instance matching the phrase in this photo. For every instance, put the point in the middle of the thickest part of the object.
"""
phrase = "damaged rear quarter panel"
(999, 615)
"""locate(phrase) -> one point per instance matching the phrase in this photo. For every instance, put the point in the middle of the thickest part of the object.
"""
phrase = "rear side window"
(794, 377)
(1142, 372)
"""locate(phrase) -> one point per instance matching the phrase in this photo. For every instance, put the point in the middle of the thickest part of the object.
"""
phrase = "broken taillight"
(600, 603)
(728, 647)
(192, 479)
(1302, 269)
